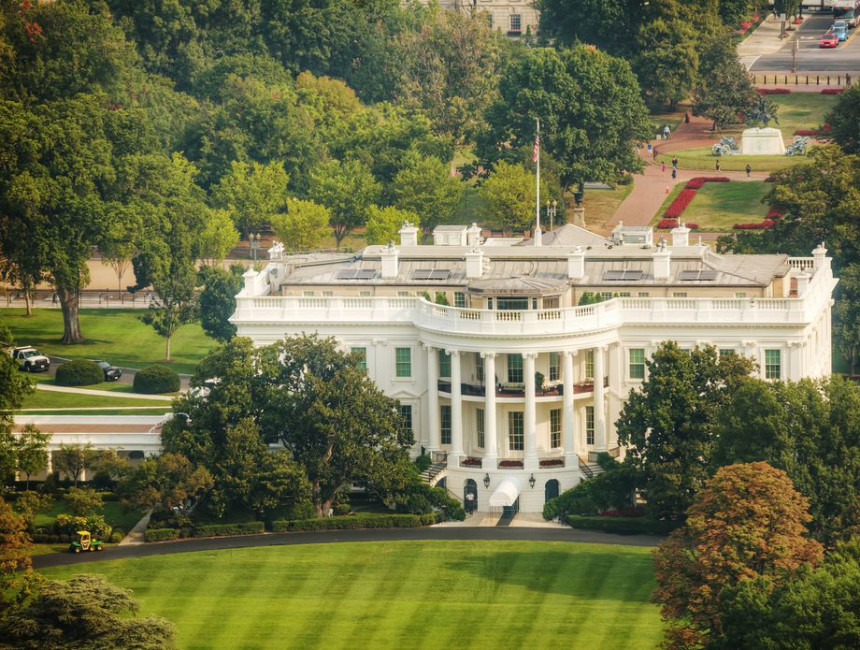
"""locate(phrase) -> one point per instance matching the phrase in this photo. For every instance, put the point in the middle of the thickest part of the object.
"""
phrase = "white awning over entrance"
(506, 494)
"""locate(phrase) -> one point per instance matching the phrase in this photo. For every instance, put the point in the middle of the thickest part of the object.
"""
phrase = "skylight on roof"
(622, 275)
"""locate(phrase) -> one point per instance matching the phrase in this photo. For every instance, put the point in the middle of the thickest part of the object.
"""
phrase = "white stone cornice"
(488, 355)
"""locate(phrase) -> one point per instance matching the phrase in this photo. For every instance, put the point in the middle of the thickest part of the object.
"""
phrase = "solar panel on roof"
(622, 275)
(421, 274)
(365, 274)
(346, 274)
(440, 274)
(696, 276)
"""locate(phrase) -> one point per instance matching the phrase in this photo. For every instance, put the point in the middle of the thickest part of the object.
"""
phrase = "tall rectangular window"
(459, 299)
(479, 367)
(589, 425)
(516, 431)
(555, 428)
(445, 423)
(516, 23)
(589, 364)
(726, 352)
(637, 363)
(361, 355)
(515, 368)
(403, 358)
(553, 366)
(479, 426)
(444, 364)
(773, 364)
(406, 414)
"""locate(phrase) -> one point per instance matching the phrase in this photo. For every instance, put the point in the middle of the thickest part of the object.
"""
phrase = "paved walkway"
(491, 519)
(135, 535)
(101, 393)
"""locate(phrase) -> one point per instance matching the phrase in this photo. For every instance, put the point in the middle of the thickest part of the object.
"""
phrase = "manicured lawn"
(802, 111)
(399, 595)
(600, 206)
(702, 158)
(719, 206)
(114, 514)
(117, 336)
(43, 399)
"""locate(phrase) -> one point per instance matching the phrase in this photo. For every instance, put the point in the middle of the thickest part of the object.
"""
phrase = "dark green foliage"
(420, 498)
(844, 120)
(423, 462)
(155, 380)
(354, 523)
(623, 525)
(225, 530)
(218, 300)
(67, 525)
(611, 490)
(160, 534)
(80, 372)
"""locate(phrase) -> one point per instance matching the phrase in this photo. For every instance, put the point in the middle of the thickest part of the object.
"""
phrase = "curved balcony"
(516, 390)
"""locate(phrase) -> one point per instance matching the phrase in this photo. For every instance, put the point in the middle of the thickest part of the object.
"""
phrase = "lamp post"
(551, 211)
(486, 480)
(254, 239)
(532, 481)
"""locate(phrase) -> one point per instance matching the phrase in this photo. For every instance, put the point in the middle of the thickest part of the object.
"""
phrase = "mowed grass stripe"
(399, 595)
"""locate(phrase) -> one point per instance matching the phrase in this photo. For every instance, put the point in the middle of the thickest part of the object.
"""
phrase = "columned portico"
(456, 410)
(491, 446)
(433, 399)
(568, 417)
(599, 400)
(531, 458)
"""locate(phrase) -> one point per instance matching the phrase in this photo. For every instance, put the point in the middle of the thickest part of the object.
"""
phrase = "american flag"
(536, 152)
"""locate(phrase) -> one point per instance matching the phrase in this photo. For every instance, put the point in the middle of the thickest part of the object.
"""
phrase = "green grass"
(399, 595)
(802, 111)
(600, 206)
(702, 158)
(43, 399)
(719, 206)
(114, 514)
(117, 336)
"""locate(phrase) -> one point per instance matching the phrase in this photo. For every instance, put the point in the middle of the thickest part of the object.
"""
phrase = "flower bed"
(680, 204)
(511, 463)
(697, 182)
(773, 91)
(552, 462)
(669, 224)
(832, 91)
(470, 461)
(773, 213)
(764, 225)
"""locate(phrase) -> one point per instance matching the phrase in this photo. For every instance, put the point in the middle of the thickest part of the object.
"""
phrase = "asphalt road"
(454, 533)
(810, 57)
(127, 374)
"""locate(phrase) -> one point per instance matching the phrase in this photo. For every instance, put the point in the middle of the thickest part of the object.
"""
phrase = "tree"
(424, 185)
(218, 237)
(84, 502)
(74, 459)
(668, 423)
(668, 60)
(218, 300)
(8, 458)
(747, 522)
(14, 388)
(304, 225)
(384, 224)
(32, 451)
(590, 109)
(84, 611)
(723, 88)
(347, 189)
(168, 481)
(846, 316)
(510, 194)
(252, 194)
(844, 120)
(15, 563)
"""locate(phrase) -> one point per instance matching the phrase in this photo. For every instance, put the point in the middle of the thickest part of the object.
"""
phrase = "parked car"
(840, 28)
(112, 373)
(828, 40)
(30, 359)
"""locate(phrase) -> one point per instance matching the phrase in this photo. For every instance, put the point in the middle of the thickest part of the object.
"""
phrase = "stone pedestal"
(762, 142)
(579, 216)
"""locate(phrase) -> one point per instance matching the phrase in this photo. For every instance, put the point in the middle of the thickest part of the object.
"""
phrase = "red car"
(828, 40)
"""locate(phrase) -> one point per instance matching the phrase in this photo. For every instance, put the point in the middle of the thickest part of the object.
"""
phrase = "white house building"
(503, 372)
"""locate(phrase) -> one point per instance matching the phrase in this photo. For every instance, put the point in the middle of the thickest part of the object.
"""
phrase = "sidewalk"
(490, 519)
(764, 40)
(102, 393)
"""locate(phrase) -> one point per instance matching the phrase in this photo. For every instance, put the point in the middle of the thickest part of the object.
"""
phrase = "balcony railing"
(511, 390)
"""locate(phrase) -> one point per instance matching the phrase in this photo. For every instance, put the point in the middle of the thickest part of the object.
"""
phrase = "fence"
(841, 80)
(46, 298)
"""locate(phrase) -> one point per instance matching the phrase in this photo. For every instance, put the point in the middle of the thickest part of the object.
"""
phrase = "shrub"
(160, 534)
(156, 379)
(766, 224)
(225, 530)
(116, 537)
(79, 372)
(832, 91)
(623, 525)
(67, 525)
(84, 501)
(680, 204)
(353, 522)
(772, 91)
(423, 462)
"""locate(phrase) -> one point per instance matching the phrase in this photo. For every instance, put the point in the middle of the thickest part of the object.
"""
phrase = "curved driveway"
(435, 533)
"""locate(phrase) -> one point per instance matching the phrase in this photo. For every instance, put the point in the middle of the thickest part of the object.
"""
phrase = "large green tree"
(668, 423)
(218, 300)
(668, 61)
(510, 193)
(846, 316)
(347, 189)
(424, 185)
(844, 120)
(723, 90)
(252, 194)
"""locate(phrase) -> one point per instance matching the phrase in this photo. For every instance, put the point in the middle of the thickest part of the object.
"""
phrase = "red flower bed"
(697, 182)
(470, 462)
(552, 462)
(692, 226)
(667, 224)
(773, 213)
(680, 204)
(764, 225)
(773, 91)
(808, 132)
(511, 463)
(832, 91)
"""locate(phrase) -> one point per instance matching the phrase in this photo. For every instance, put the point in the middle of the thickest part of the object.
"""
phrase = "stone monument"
(762, 140)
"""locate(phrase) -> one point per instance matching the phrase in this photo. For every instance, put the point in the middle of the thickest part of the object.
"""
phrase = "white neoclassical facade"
(504, 372)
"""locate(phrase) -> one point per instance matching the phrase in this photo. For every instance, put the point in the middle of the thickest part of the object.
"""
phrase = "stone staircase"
(590, 469)
(430, 474)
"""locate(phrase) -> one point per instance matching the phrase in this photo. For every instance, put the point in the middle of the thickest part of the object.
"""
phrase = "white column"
(456, 411)
(570, 450)
(615, 372)
(599, 400)
(531, 459)
(433, 399)
(491, 445)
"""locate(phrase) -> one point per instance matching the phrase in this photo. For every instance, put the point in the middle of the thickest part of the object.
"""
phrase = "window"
(725, 352)
(404, 294)
(445, 421)
(308, 294)
(679, 294)
(516, 23)
(403, 366)
(479, 414)
(553, 366)
(740, 295)
(327, 294)
(512, 304)
(516, 431)
(444, 364)
(550, 303)
(515, 368)
(479, 367)
(555, 428)
(643, 294)
(459, 299)
(606, 295)
(589, 425)
(361, 353)
(772, 364)
(637, 363)
(365, 294)
(406, 414)
(589, 364)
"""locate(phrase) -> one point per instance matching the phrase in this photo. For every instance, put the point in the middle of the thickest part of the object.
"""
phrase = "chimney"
(473, 236)
(662, 270)
(249, 277)
(474, 263)
(802, 284)
(576, 264)
(819, 256)
(680, 235)
(389, 261)
(408, 234)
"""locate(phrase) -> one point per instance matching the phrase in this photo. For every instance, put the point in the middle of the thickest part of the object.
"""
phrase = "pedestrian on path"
(663, 167)
(717, 166)
(749, 170)
(686, 117)
(674, 173)
(666, 131)
(650, 151)
(674, 162)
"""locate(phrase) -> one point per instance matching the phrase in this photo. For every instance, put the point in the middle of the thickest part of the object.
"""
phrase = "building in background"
(512, 17)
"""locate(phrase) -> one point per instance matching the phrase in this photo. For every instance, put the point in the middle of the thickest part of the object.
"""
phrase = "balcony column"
(568, 422)
(456, 411)
(599, 400)
(531, 459)
(435, 440)
(491, 447)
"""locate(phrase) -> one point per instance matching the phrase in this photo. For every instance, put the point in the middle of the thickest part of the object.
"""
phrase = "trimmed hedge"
(160, 534)
(623, 525)
(155, 380)
(352, 522)
(226, 530)
(79, 372)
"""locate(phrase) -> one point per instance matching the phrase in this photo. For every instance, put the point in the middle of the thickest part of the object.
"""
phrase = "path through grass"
(702, 158)
(399, 595)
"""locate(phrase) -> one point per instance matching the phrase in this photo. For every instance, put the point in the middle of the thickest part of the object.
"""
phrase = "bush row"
(352, 522)
(697, 182)
(160, 534)
(763, 225)
(623, 525)
(832, 91)
(225, 530)
(773, 91)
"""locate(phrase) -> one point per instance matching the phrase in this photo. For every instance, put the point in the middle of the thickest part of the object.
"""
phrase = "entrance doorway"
(470, 496)
(550, 490)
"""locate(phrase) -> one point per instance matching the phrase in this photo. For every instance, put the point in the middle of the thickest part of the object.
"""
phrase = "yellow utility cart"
(85, 542)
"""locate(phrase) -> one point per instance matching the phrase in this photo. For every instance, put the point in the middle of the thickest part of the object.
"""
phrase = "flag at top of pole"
(536, 152)
(536, 159)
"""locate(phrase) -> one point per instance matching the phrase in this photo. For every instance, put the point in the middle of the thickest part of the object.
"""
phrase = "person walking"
(663, 167)
(717, 166)
(674, 173)
(666, 131)
(470, 503)
(650, 151)
(749, 170)
(674, 162)
(687, 117)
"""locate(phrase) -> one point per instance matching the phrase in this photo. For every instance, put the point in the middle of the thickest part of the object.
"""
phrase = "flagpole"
(538, 235)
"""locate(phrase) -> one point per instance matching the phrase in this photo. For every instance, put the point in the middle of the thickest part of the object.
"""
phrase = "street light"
(254, 239)
(551, 210)
(486, 480)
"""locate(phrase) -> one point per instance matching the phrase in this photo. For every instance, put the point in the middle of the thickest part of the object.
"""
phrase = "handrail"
(585, 469)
